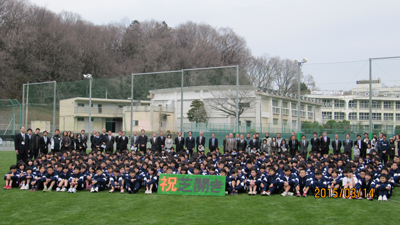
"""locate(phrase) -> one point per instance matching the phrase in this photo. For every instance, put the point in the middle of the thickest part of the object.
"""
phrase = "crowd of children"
(246, 172)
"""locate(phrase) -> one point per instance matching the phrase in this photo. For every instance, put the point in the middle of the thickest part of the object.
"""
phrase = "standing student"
(44, 143)
(21, 145)
(179, 142)
(383, 149)
(35, 143)
(142, 141)
(190, 144)
(347, 145)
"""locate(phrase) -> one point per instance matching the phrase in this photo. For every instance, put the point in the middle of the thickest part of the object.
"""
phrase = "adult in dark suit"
(361, 144)
(134, 141)
(213, 143)
(224, 142)
(253, 143)
(142, 141)
(315, 143)
(160, 142)
(325, 142)
(201, 142)
(117, 140)
(21, 144)
(303, 146)
(190, 144)
(293, 146)
(79, 143)
(153, 142)
(110, 143)
(35, 143)
(44, 143)
(84, 140)
(92, 144)
(348, 146)
(179, 142)
(123, 142)
(103, 138)
(242, 144)
(336, 145)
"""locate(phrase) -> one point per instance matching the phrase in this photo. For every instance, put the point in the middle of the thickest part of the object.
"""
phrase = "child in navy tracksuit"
(271, 182)
(116, 181)
(236, 182)
(76, 180)
(63, 179)
(98, 181)
(27, 178)
(301, 184)
(49, 178)
(253, 181)
(382, 188)
(287, 181)
(11, 178)
(317, 182)
(367, 184)
(150, 181)
(133, 181)
(37, 178)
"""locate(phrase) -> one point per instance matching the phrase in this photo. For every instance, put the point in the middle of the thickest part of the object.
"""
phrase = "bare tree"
(224, 102)
(309, 81)
(262, 71)
(286, 76)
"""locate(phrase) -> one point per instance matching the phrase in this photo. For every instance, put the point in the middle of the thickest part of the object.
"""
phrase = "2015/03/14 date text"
(342, 192)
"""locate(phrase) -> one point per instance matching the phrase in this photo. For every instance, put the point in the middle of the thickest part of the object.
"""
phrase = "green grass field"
(25, 207)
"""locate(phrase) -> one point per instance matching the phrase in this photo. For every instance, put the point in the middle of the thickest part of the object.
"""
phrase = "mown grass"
(25, 207)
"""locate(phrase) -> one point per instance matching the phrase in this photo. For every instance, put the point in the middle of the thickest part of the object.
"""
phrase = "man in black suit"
(242, 144)
(201, 142)
(179, 142)
(348, 146)
(44, 143)
(117, 139)
(325, 142)
(160, 142)
(21, 144)
(315, 143)
(336, 145)
(84, 140)
(142, 141)
(253, 143)
(190, 144)
(134, 141)
(153, 142)
(110, 143)
(103, 138)
(361, 144)
(123, 141)
(224, 142)
(293, 145)
(35, 143)
(213, 143)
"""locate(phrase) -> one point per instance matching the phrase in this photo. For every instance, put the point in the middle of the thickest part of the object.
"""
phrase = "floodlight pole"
(131, 103)
(299, 64)
(237, 98)
(54, 106)
(182, 101)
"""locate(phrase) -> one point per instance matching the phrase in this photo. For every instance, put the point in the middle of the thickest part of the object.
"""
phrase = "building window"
(248, 123)
(135, 123)
(303, 113)
(339, 116)
(80, 119)
(294, 112)
(276, 110)
(275, 121)
(376, 116)
(397, 116)
(397, 105)
(294, 123)
(352, 104)
(364, 104)
(244, 105)
(92, 119)
(120, 106)
(284, 122)
(301, 107)
(310, 108)
(99, 107)
(81, 104)
(388, 105)
(339, 103)
(353, 116)
(275, 103)
(388, 116)
(294, 106)
(326, 115)
(310, 115)
(284, 104)
(364, 116)
(285, 111)
(376, 105)
(327, 102)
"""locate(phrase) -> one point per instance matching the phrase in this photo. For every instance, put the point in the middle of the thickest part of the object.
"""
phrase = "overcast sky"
(322, 31)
